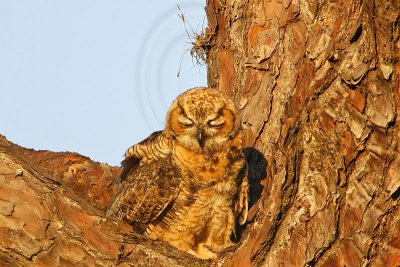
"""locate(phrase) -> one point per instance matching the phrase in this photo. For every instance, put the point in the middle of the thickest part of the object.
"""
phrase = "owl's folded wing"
(241, 207)
(154, 147)
(146, 193)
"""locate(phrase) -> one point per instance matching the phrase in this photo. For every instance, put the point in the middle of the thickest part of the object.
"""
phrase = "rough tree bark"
(317, 83)
(318, 86)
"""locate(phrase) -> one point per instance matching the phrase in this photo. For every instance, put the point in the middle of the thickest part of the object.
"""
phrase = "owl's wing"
(154, 147)
(146, 193)
(241, 207)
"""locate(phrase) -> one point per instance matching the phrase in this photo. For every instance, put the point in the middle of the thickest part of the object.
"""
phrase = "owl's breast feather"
(220, 169)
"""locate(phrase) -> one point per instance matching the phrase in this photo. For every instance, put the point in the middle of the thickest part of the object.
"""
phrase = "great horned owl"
(187, 184)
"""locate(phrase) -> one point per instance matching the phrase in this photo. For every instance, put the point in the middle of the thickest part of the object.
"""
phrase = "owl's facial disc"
(202, 119)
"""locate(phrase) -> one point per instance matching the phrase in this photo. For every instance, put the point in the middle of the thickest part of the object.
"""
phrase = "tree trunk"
(317, 83)
(318, 86)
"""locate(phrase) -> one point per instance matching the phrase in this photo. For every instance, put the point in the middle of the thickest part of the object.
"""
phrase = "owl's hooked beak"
(200, 137)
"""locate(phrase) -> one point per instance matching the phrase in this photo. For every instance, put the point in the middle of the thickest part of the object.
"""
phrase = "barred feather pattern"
(156, 146)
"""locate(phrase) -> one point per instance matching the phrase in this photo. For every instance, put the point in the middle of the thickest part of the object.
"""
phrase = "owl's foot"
(205, 252)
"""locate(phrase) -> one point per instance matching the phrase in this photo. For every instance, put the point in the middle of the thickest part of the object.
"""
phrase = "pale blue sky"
(93, 77)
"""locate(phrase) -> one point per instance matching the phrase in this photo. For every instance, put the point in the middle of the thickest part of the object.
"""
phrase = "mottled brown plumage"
(187, 184)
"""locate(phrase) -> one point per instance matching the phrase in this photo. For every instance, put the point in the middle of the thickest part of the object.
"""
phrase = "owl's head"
(203, 119)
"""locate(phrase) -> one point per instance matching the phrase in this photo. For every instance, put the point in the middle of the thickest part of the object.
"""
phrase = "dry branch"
(52, 214)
